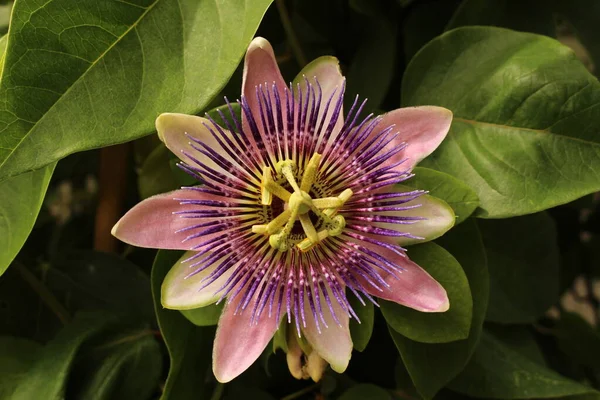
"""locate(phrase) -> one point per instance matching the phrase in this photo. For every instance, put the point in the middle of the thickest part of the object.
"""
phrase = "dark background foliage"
(79, 313)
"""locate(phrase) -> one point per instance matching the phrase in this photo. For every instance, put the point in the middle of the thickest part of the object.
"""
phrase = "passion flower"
(295, 208)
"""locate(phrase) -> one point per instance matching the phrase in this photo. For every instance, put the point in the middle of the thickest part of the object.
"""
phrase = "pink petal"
(413, 287)
(240, 340)
(152, 223)
(333, 343)
(326, 71)
(175, 131)
(178, 292)
(421, 128)
(260, 68)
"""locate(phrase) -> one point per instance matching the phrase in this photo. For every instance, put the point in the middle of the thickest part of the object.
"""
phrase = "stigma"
(318, 217)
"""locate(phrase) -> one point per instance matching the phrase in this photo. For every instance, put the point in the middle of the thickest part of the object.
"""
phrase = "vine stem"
(218, 392)
(47, 297)
(301, 392)
(289, 31)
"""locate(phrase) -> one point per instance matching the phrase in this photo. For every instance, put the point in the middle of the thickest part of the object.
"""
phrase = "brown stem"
(112, 177)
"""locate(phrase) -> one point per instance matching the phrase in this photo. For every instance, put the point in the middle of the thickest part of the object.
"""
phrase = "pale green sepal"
(179, 293)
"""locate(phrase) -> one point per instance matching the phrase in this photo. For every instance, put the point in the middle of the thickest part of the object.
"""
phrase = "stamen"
(310, 173)
(269, 185)
(271, 219)
(286, 168)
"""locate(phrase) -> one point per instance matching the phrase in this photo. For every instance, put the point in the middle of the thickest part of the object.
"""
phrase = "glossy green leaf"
(432, 366)
(17, 356)
(86, 74)
(523, 260)
(47, 377)
(525, 130)
(189, 346)
(574, 23)
(127, 367)
(361, 332)
(498, 372)
(204, 316)
(365, 391)
(456, 193)
(448, 326)
(22, 198)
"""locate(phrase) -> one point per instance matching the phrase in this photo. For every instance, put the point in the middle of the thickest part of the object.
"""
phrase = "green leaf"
(155, 176)
(361, 332)
(432, 366)
(365, 391)
(22, 313)
(22, 198)
(91, 280)
(18, 355)
(97, 72)
(523, 260)
(578, 339)
(48, 375)
(519, 338)
(189, 346)
(127, 367)
(574, 23)
(448, 326)
(524, 134)
(456, 193)
(204, 316)
(498, 372)
(372, 69)
(424, 21)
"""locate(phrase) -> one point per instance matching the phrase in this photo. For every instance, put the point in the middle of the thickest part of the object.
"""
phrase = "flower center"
(298, 206)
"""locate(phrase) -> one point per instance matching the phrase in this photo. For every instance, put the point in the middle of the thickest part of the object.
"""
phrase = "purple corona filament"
(285, 270)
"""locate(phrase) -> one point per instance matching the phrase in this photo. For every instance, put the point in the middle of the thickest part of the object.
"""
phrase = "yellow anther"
(276, 223)
(310, 173)
(309, 228)
(308, 244)
(260, 229)
(269, 185)
(328, 202)
(343, 197)
(266, 197)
